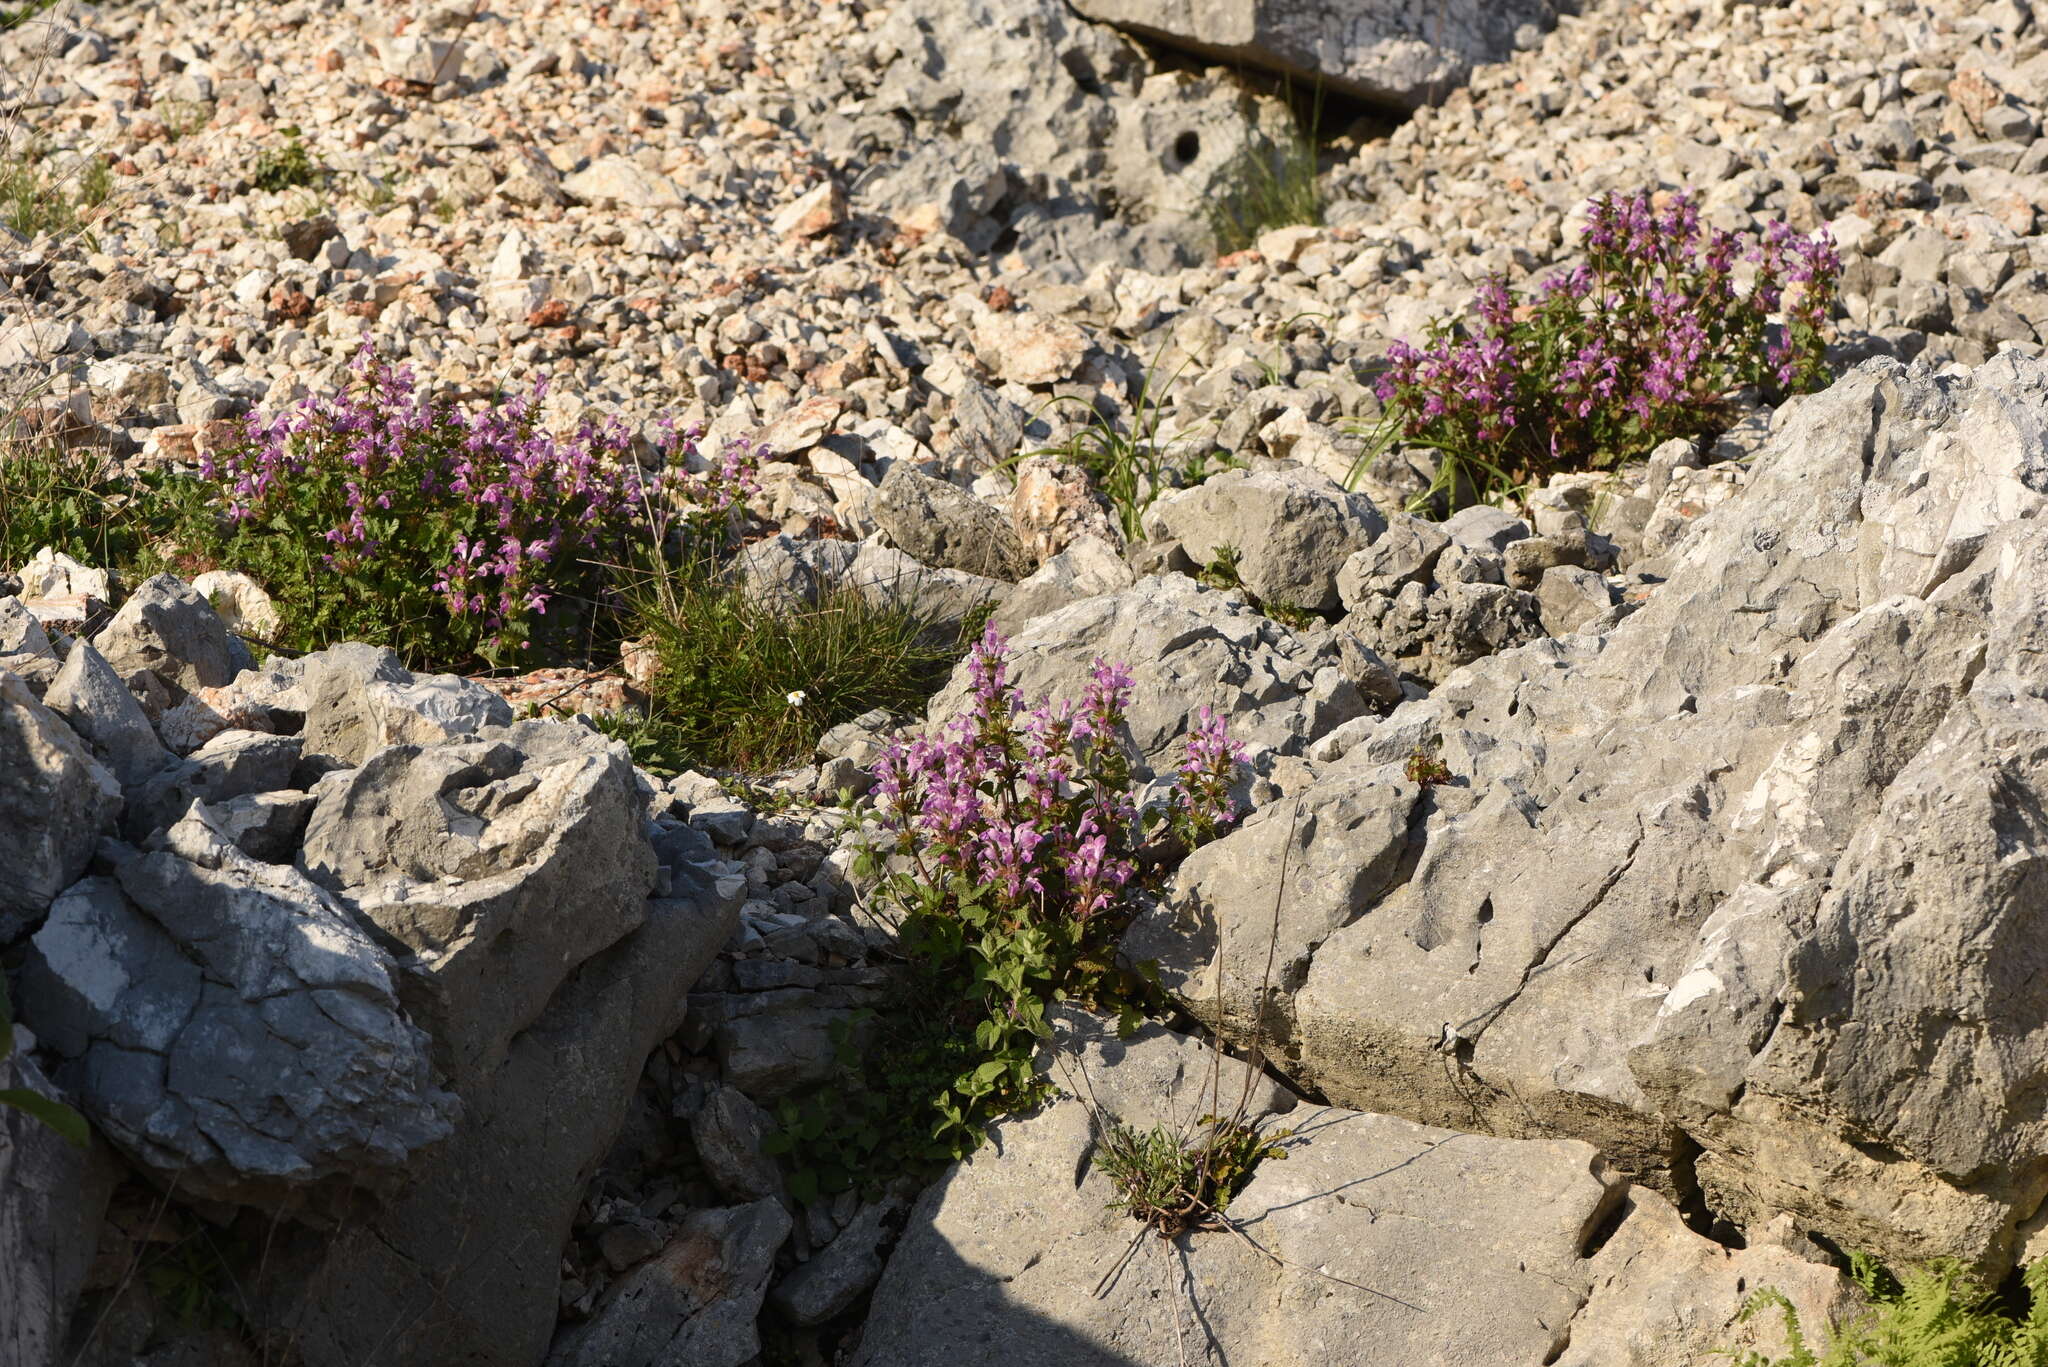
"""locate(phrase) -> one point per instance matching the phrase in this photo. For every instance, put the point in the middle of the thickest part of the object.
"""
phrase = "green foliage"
(1222, 573)
(730, 665)
(1270, 184)
(67, 1123)
(14, 16)
(34, 200)
(1936, 1317)
(193, 1282)
(953, 1050)
(1176, 1180)
(388, 598)
(883, 1119)
(1425, 769)
(76, 501)
(1127, 462)
(284, 168)
(1654, 334)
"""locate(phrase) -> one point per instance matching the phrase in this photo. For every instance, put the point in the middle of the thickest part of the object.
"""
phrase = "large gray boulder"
(496, 865)
(230, 1028)
(357, 699)
(1291, 531)
(56, 801)
(52, 1198)
(1016, 119)
(1362, 1245)
(1186, 646)
(1714, 889)
(171, 631)
(1396, 52)
(511, 873)
(466, 1261)
(89, 695)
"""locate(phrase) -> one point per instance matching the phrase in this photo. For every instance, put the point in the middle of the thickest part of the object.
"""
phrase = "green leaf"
(68, 1124)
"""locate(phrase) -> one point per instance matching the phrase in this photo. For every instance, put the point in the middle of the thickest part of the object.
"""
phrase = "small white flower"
(795, 699)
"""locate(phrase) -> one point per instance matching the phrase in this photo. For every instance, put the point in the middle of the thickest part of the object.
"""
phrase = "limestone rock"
(944, 526)
(728, 1130)
(1087, 568)
(1384, 1227)
(1187, 646)
(171, 631)
(89, 695)
(55, 802)
(1292, 530)
(500, 863)
(1384, 51)
(1056, 503)
(52, 1198)
(626, 183)
(497, 1200)
(234, 764)
(1028, 348)
(818, 210)
(694, 1302)
(226, 1024)
(1711, 877)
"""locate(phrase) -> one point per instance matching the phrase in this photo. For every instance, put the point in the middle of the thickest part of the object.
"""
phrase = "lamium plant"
(1017, 852)
(1651, 336)
(379, 514)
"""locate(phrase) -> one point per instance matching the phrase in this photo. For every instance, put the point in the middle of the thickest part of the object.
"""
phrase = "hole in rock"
(1187, 147)
(1603, 1229)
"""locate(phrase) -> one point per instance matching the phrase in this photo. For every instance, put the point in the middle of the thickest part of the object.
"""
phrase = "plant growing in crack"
(1012, 854)
(1128, 461)
(1935, 1317)
(1222, 572)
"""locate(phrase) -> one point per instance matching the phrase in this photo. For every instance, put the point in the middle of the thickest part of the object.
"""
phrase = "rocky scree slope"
(707, 219)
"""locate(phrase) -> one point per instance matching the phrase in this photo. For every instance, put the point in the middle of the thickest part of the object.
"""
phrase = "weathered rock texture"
(1385, 1228)
(55, 802)
(1746, 891)
(51, 1198)
(467, 1258)
(1399, 52)
(229, 1027)
(495, 865)
(1187, 646)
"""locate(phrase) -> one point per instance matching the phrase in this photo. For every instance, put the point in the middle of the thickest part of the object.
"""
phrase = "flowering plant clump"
(1024, 848)
(379, 514)
(1018, 851)
(1646, 339)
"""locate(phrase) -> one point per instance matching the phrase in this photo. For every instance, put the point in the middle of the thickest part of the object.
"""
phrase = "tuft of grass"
(75, 500)
(1270, 184)
(1176, 1181)
(284, 168)
(749, 686)
(1127, 462)
(33, 201)
(1936, 1317)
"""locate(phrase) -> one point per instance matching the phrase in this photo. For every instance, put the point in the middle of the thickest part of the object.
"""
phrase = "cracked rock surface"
(1712, 890)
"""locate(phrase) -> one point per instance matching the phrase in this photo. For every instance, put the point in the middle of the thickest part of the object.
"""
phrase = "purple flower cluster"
(1645, 339)
(505, 514)
(1035, 802)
